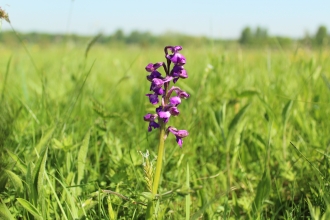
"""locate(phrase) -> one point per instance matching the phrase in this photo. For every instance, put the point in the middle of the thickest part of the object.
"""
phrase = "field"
(72, 128)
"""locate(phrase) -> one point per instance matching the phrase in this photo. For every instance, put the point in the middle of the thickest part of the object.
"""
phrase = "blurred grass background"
(72, 126)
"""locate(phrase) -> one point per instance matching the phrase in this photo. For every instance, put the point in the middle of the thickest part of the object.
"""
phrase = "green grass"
(71, 129)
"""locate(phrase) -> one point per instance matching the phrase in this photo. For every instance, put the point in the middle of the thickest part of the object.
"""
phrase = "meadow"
(72, 128)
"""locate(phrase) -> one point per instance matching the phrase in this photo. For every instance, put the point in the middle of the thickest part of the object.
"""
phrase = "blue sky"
(219, 19)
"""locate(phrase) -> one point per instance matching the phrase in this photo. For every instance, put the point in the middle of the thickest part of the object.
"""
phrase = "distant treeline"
(257, 37)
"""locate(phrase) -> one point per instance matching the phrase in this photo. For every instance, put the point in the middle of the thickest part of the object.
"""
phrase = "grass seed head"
(4, 15)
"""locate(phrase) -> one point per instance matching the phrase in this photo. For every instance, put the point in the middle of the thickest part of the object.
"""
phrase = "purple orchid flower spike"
(160, 85)
(179, 134)
(163, 95)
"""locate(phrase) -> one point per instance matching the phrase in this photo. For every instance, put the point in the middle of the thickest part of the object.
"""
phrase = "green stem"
(151, 203)
(150, 209)
(159, 158)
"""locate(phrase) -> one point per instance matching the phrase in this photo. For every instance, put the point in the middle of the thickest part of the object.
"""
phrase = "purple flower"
(159, 91)
(182, 94)
(152, 67)
(165, 115)
(176, 49)
(173, 49)
(175, 100)
(178, 72)
(177, 58)
(174, 111)
(153, 75)
(159, 109)
(153, 98)
(151, 119)
(179, 134)
(158, 83)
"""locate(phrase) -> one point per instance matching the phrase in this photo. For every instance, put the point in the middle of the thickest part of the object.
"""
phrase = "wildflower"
(174, 111)
(160, 87)
(158, 83)
(179, 134)
(168, 107)
(151, 119)
(178, 72)
(164, 115)
(180, 93)
(153, 98)
(177, 58)
(175, 100)
(152, 67)
(183, 94)
(167, 112)
(173, 49)
(154, 75)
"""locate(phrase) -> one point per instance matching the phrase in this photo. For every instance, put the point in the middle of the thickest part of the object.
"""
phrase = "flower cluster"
(162, 94)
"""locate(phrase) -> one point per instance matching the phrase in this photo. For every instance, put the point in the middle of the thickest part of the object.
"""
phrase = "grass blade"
(41, 189)
(39, 167)
(56, 197)
(286, 111)
(111, 212)
(18, 163)
(5, 213)
(68, 195)
(30, 208)
(188, 199)
(237, 118)
(44, 140)
(5, 80)
(263, 190)
(82, 154)
(91, 43)
(16, 180)
(248, 93)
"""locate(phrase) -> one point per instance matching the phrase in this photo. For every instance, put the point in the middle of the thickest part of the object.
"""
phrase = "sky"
(212, 18)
